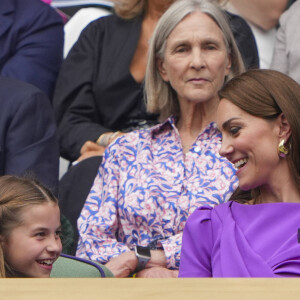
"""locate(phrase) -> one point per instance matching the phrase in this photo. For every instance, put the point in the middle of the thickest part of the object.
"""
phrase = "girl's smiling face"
(250, 143)
(32, 247)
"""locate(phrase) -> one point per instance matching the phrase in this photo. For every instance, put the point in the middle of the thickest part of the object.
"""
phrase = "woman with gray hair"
(151, 180)
(99, 90)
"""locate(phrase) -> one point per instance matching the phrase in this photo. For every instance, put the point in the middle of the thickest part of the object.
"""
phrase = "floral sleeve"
(172, 249)
(98, 221)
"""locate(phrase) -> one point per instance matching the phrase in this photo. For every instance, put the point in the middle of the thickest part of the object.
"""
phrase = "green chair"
(71, 266)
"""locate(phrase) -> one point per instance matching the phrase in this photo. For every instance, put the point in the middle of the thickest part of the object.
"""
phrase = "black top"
(245, 40)
(95, 90)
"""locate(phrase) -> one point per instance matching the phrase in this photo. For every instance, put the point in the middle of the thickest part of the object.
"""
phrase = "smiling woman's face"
(250, 143)
(196, 60)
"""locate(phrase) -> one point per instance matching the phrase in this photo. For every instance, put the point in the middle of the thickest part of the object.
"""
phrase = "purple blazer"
(238, 240)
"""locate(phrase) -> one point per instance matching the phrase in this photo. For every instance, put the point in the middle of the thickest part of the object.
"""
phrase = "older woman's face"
(196, 60)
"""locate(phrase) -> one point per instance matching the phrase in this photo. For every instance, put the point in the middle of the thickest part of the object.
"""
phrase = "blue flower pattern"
(146, 188)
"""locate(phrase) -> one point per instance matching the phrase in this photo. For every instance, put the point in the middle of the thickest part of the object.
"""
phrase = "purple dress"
(238, 240)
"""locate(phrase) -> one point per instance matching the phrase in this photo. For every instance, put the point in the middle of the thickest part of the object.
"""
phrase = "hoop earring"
(282, 150)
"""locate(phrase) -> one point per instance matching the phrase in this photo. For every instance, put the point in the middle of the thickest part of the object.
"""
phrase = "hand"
(90, 149)
(157, 272)
(89, 146)
(123, 265)
(114, 136)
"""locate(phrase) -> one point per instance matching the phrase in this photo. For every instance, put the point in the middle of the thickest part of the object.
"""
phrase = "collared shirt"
(146, 188)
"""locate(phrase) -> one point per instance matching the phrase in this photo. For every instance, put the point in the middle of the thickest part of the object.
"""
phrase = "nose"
(54, 245)
(197, 59)
(226, 148)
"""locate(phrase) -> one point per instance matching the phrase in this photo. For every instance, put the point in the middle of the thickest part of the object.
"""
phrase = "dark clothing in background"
(245, 40)
(28, 143)
(31, 43)
(95, 90)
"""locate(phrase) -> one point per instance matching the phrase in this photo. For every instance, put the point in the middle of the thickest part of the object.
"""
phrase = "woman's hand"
(157, 272)
(90, 149)
(123, 265)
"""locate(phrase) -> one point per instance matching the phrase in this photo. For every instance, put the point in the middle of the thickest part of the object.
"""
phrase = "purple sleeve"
(197, 245)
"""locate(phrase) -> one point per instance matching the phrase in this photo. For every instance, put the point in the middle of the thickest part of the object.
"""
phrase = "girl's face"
(32, 247)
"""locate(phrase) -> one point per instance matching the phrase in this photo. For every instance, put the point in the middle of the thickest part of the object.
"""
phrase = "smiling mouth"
(240, 163)
(46, 262)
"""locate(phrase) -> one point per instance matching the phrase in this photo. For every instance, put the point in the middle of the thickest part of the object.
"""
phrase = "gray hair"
(160, 96)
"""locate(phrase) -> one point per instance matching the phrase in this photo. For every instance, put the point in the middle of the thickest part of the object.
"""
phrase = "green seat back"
(71, 266)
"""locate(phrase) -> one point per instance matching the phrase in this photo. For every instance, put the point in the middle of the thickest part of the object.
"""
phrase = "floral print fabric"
(146, 188)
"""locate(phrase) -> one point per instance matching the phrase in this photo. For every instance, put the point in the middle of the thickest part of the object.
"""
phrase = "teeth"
(240, 163)
(48, 262)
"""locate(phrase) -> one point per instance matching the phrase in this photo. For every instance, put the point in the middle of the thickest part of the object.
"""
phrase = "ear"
(284, 127)
(161, 69)
(228, 65)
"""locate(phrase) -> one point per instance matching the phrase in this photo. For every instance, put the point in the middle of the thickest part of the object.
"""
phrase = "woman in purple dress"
(256, 235)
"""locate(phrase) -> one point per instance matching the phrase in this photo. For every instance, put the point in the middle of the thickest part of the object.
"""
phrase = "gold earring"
(282, 150)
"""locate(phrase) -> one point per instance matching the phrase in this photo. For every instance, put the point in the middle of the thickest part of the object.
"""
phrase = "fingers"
(90, 154)
(157, 272)
(114, 136)
(91, 146)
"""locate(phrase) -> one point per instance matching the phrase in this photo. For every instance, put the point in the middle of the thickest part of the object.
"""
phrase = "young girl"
(29, 228)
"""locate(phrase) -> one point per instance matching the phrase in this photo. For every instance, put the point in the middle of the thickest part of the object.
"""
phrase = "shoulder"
(236, 19)
(291, 16)
(133, 139)
(133, 144)
(36, 11)
(238, 24)
(221, 211)
(112, 24)
(208, 213)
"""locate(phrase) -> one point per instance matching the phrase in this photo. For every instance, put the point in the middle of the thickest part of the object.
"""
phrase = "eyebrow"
(205, 41)
(45, 228)
(225, 125)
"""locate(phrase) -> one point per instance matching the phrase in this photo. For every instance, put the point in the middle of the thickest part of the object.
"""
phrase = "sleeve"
(197, 245)
(31, 145)
(172, 249)
(98, 221)
(74, 99)
(280, 54)
(38, 51)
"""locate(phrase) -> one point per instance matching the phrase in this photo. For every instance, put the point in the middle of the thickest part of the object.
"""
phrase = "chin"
(246, 186)
(40, 275)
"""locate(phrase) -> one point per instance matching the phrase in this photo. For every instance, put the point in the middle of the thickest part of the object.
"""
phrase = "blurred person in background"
(31, 43)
